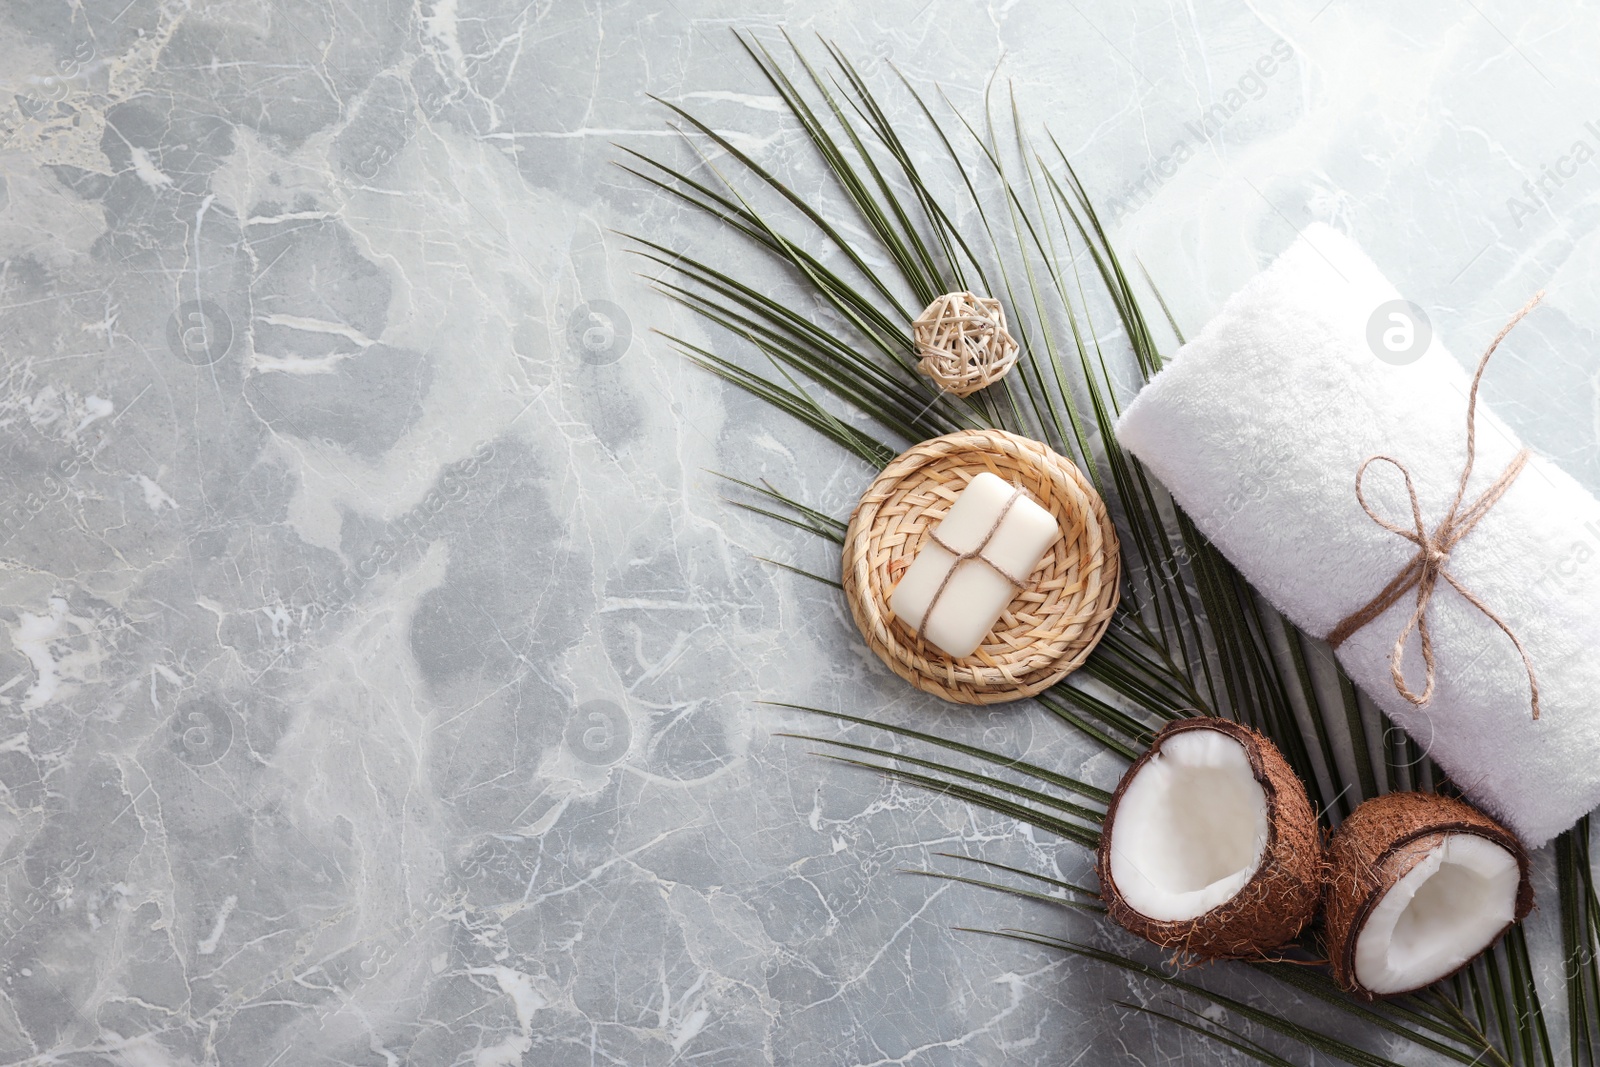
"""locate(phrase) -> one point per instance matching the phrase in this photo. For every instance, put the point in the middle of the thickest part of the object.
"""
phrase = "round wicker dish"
(1047, 630)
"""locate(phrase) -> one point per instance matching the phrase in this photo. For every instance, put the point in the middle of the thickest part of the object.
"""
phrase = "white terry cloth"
(1257, 427)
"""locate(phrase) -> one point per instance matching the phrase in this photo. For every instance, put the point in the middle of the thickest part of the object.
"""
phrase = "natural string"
(1433, 550)
(974, 553)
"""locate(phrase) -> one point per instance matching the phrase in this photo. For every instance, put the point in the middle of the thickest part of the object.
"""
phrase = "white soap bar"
(976, 594)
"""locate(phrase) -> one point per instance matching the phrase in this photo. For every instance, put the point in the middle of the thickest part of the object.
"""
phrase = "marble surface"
(379, 663)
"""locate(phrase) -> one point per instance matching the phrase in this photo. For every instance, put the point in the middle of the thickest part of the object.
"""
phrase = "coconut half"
(1420, 885)
(1210, 846)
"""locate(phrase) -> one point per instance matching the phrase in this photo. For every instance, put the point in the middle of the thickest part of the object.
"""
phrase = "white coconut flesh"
(1190, 828)
(1446, 910)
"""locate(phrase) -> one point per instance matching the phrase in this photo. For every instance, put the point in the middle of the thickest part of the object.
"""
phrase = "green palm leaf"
(1190, 637)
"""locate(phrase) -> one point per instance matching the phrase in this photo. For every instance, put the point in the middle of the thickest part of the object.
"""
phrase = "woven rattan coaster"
(1048, 629)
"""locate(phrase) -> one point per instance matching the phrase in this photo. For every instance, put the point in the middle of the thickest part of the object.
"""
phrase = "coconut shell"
(1276, 904)
(1379, 844)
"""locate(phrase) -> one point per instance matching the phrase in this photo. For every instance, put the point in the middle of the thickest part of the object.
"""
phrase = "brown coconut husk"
(1379, 844)
(1282, 897)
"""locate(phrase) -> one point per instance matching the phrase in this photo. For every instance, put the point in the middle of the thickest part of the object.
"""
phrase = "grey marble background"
(378, 661)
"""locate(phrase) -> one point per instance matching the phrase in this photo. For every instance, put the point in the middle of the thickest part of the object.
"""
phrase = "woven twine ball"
(1050, 626)
(963, 342)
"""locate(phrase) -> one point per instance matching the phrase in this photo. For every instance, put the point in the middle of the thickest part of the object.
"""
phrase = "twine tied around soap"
(976, 552)
(1428, 566)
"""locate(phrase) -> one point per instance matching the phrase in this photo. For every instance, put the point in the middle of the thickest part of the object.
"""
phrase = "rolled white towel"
(1258, 426)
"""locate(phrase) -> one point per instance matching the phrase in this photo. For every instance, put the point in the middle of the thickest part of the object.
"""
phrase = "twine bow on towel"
(1425, 570)
(976, 552)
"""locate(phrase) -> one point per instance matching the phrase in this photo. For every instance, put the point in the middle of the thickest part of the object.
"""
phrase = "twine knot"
(974, 553)
(1430, 564)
